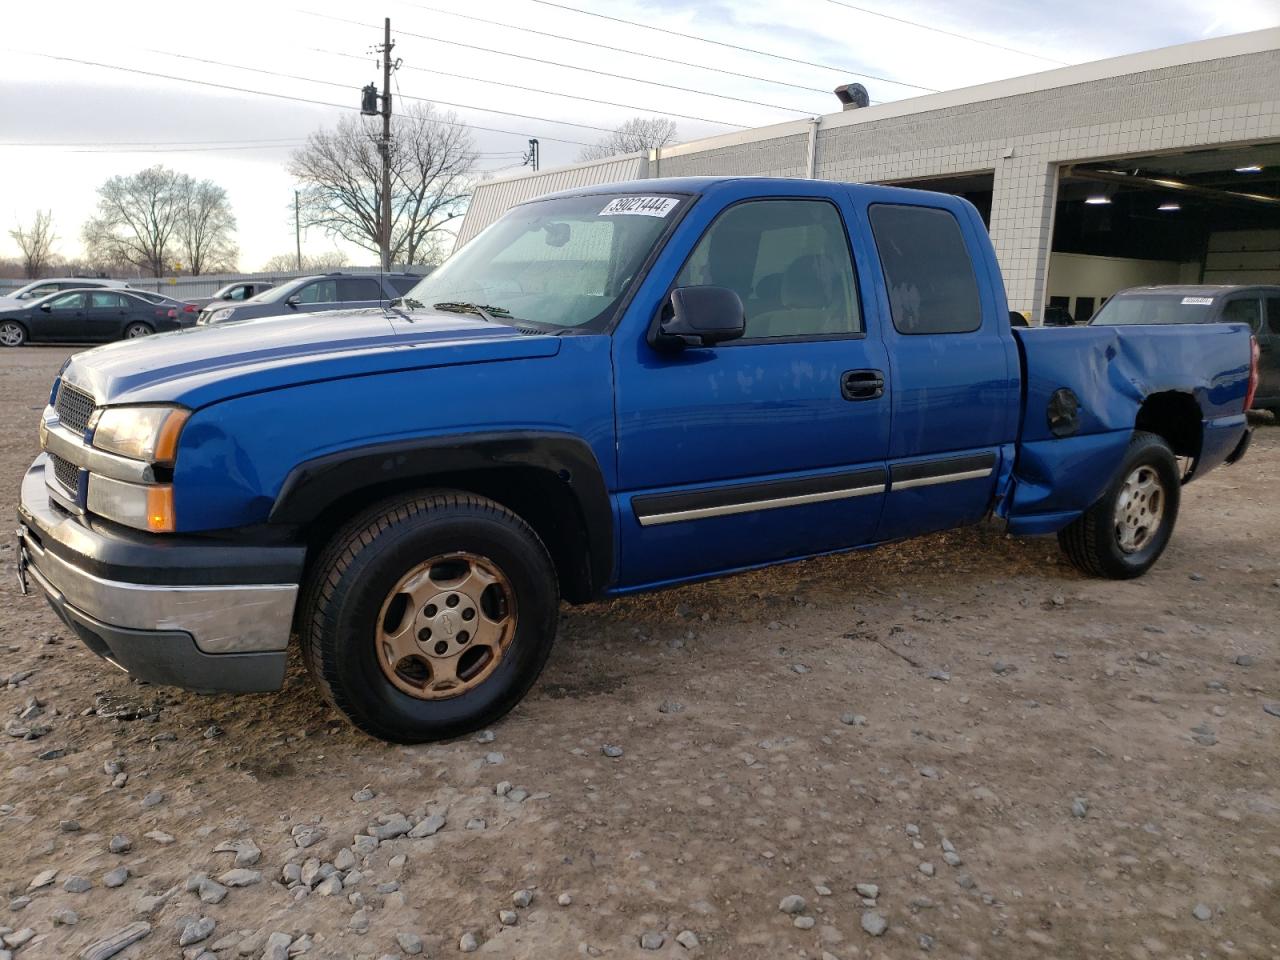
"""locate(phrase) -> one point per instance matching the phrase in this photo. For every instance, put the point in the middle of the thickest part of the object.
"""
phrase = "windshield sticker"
(1198, 301)
(639, 206)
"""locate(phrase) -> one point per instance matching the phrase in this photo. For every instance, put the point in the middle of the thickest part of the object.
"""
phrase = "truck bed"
(1116, 373)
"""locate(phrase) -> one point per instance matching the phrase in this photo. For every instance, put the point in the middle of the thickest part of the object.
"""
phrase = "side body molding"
(312, 487)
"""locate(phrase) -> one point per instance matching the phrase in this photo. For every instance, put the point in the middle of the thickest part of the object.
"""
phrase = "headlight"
(140, 433)
(220, 315)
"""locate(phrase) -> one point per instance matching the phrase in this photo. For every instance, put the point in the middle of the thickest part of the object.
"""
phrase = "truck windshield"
(1154, 308)
(563, 263)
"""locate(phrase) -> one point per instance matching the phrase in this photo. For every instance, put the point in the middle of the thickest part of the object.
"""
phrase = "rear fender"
(1113, 374)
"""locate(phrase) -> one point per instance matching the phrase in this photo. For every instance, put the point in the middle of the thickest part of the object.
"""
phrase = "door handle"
(862, 384)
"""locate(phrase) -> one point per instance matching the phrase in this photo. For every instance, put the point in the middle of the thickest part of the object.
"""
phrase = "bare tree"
(311, 263)
(431, 162)
(205, 229)
(36, 243)
(138, 219)
(151, 218)
(638, 133)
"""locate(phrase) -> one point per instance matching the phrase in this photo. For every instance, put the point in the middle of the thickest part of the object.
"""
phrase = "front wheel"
(12, 334)
(135, 330)
(1123, 534)
(429, 616)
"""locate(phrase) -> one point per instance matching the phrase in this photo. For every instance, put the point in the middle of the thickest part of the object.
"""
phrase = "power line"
(734, 46)
(569, 66)
(280, 96)
(143, 143)
(552, 93)
(406, 96)
(949, 33)
(634, 53)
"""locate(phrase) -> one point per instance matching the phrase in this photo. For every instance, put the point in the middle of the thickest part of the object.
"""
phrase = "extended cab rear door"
(953, 367)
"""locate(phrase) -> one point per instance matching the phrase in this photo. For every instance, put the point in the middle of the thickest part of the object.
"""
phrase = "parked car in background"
(184, 311)
(85, 316)
(42, 288)
(610, 390)
(1258, 305)
(333, 291)
(237, 292)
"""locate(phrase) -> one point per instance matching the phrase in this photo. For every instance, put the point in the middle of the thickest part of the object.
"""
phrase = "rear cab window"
(927, 270)
(357, 289)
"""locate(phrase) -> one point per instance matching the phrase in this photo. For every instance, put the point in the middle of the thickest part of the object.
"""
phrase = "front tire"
(1125, 532)
(429, 616)
(12, 334)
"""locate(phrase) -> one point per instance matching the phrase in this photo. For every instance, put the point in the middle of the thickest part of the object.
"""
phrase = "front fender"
(314, 487)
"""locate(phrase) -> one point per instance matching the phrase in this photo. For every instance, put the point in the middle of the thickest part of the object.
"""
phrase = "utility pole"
(297, 229)
(385, 146)
(531, 158)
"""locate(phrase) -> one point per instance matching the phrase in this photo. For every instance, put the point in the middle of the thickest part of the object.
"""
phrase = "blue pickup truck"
(610, 390)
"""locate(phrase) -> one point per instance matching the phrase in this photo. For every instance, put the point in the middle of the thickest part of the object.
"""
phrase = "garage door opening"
(977, 188)
(1200, 216)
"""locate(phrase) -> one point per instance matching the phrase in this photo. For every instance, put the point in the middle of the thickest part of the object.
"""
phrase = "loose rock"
(793, 903)
(410, 943)
(195, 931)
(873, 923)
(427, 826)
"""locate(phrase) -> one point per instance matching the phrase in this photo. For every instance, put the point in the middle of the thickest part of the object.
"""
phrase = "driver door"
(768, 447)
(63, 320)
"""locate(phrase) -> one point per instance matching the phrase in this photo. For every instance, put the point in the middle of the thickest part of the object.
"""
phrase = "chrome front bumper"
(100, 580)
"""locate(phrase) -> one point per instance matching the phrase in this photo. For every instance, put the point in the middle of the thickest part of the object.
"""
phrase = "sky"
(66, 127)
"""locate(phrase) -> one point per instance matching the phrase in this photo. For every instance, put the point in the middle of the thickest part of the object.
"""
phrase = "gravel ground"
(956, 745)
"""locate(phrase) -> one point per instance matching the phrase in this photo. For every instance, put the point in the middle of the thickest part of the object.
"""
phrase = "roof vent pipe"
(854, 96)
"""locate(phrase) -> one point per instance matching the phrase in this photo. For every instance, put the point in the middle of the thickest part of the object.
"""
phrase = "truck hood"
(203, 365)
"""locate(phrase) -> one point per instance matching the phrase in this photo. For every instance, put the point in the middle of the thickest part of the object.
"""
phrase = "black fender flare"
(314, 486)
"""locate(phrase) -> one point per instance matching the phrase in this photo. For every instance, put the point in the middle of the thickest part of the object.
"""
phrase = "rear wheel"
(429, 616)
(135, 330)
(1123, 534)
(12, 334)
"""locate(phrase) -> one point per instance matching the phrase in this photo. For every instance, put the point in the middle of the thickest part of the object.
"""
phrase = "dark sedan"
(85, 316)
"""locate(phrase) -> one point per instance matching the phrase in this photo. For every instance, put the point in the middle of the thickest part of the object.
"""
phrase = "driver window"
(68, 301)
(322, 291)
(788, 261)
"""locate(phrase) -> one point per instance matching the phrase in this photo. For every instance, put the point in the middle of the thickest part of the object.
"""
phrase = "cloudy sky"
(67, 126)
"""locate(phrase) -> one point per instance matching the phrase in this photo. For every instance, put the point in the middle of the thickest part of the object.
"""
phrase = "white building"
(1156, 167)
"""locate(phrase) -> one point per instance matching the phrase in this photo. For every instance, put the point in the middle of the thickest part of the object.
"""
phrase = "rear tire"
(372, 631)
(1125, 532)
(12, 334)
(135, 330)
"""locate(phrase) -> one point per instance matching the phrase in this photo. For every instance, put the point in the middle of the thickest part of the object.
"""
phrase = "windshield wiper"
(484, 311)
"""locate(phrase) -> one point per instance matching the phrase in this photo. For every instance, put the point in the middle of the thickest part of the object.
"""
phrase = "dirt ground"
(1096, 756)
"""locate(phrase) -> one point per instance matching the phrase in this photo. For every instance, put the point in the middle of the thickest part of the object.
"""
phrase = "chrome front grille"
(66, 473)
(74, 407)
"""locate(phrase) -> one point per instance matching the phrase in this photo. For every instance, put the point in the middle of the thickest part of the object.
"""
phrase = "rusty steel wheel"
(445, 627)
